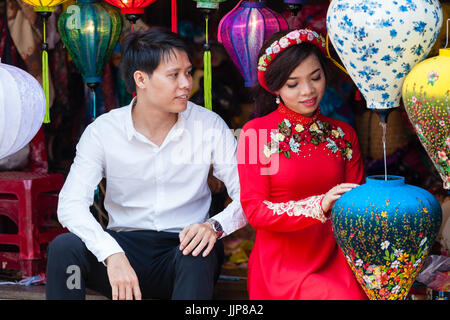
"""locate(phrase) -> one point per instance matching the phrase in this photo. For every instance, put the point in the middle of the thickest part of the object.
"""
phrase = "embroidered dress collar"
(296, 131)
(297, 117)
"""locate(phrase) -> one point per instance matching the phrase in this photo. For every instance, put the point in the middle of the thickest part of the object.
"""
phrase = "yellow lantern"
(44, 9)
(44, 5)
(426, 92)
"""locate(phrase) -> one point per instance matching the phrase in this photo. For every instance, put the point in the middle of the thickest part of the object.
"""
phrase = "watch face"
(216, 226)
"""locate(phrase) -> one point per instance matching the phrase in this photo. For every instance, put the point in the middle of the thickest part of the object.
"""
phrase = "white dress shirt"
(149, 187)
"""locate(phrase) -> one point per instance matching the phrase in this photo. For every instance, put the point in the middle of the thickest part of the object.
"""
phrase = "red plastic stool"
(28, 199)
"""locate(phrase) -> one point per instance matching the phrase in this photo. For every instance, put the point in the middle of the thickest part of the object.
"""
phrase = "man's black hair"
(144, 50)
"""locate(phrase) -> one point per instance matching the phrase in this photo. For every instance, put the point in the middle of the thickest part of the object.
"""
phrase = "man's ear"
(140, 79)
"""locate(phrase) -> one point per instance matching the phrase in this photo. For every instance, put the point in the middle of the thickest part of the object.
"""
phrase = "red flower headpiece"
(292, 38)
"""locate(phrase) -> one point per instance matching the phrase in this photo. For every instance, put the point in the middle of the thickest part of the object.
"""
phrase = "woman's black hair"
(280, 69)
(144, 50)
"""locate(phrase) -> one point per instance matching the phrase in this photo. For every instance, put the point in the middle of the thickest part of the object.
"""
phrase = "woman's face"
(305, 87)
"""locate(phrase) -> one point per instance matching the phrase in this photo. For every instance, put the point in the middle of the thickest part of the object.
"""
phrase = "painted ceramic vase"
(380, 41)
(386, 229)
(425, 96)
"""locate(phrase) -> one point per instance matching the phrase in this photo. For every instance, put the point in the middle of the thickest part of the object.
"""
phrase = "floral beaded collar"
(297, 130)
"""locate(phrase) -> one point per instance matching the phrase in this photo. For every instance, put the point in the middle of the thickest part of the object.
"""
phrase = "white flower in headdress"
(310, 37)
(293, 35)
(269, 51)
(276, 48)
(315, 34)
(284, 43)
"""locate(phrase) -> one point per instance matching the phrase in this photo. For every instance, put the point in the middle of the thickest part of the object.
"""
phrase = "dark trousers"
(162, 270)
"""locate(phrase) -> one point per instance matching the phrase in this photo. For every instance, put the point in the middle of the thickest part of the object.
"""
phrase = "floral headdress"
(292, 38)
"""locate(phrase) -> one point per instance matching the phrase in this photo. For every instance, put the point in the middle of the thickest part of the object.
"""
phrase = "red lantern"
(131, 8)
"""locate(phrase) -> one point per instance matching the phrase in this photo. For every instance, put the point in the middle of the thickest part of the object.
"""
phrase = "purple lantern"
(243, 31)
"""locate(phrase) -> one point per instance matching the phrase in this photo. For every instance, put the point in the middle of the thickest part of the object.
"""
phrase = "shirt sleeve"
(77, 195)
(224, 164)
(254, 175)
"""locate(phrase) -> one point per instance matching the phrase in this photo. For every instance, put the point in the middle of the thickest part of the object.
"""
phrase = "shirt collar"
(179, 125)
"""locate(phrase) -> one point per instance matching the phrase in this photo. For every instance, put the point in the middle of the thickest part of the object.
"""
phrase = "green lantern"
(90, 30)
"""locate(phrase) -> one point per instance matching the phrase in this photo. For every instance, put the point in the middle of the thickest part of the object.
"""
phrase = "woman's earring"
(277, 100)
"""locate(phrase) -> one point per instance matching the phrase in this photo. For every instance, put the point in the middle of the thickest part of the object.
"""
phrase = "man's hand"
(123, 279)
(197, 236)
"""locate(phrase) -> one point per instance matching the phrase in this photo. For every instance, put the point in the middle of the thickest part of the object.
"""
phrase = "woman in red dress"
(294, 163)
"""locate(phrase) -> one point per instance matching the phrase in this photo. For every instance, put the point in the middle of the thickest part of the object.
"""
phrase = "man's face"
(169, 87)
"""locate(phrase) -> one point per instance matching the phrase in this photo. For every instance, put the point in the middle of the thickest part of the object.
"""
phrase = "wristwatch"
(217, 227)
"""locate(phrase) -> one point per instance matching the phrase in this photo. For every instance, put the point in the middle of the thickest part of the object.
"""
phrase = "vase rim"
(382, 179)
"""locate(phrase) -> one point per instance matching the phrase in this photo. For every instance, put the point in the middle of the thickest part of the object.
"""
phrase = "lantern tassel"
(207, 77)
(45, 79)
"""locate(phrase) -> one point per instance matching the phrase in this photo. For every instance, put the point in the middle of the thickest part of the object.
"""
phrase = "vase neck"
(381, 180)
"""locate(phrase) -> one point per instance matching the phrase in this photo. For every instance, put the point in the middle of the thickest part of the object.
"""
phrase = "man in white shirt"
(155, 155)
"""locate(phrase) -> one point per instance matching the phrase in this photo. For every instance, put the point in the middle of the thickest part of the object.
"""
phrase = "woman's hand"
(334, 194)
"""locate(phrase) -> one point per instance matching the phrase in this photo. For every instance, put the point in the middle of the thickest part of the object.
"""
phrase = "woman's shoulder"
(264, 122)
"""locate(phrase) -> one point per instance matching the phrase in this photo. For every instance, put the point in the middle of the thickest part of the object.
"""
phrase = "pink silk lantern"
(243, 31)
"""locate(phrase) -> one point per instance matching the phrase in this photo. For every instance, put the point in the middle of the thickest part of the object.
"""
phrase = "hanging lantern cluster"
(44, 9)
(22, 108)
(90, 30)
(244, 30)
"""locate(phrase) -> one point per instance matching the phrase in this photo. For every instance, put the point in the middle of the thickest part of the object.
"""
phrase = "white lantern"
(22, 108)
(380, 41)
